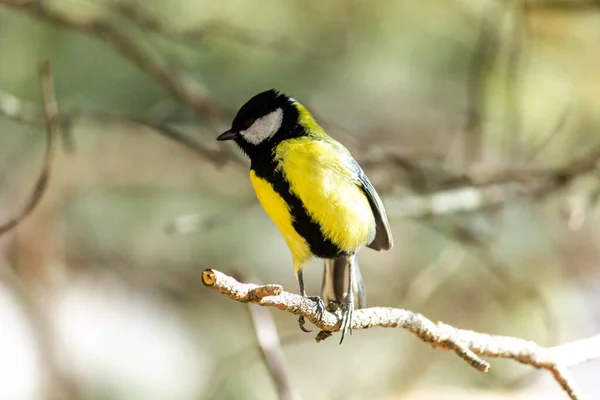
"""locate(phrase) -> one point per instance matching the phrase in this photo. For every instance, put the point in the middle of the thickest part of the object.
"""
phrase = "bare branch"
(578, 352)
(135, 12)
(447, 202)
(514, 66)
(545, 177)
(466, 344)
(473, 193)
(22, 111)
(271, 351)
(215, 156)
(481, 64)
(106, 32)
(52, 132)
(557, 130)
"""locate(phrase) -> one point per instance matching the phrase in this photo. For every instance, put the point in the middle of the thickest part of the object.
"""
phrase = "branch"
(517, 10)
(447, 202)
(215, 156)
(102, 30)
(52, 131)
(466, 344)
(481, 64)
(468, 193)
(271, 351)
(135, 12)
(23, 111)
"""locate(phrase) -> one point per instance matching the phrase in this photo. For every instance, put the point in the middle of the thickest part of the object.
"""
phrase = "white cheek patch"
(264, 128)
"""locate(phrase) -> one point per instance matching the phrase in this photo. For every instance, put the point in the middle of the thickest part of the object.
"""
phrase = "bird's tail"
(335, 281)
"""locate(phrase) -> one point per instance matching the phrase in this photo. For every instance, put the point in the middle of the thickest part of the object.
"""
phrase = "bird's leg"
(348, 304)
(316, 299)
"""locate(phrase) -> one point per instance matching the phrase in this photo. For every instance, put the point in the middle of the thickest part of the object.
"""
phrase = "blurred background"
(476, 121)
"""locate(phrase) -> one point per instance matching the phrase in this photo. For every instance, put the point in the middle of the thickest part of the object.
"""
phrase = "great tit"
(315, 193)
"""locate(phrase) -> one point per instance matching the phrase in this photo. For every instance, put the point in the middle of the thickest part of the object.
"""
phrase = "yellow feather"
(328, 188)
(278, 210)
(306, 120)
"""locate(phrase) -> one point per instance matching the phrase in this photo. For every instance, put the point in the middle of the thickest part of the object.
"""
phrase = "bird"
(315, 193)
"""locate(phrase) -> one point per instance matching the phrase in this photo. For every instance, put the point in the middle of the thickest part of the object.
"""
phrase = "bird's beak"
(228, 135)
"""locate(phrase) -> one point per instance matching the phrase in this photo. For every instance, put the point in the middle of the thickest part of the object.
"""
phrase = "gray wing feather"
(383, 234)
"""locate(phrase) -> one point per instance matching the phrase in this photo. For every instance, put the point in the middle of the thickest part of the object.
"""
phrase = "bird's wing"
(383, 234)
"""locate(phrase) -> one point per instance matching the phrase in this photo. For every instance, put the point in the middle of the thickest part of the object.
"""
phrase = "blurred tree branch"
(467, 193)
(135, 12)
(518, 12)
(22, 111)
(184, 89)
(50, 115)
(481, 64)
(271, 351)
(466, 344)
(58, 383)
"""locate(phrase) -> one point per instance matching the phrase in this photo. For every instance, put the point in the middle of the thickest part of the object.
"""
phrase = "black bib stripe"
(302, 222)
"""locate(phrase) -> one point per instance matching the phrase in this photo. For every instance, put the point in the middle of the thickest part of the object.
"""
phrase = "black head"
(264, 120)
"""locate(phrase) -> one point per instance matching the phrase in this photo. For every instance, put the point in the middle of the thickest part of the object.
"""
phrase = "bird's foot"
(347, 313)
(320, 306)
(320, 311)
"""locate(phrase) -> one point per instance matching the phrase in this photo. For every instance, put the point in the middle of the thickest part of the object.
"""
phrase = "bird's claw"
(320, 310)
(301, 323)
(347, 313)
(320, 306)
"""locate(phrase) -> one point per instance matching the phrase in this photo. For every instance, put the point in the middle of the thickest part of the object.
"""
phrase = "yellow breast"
(278, 210)
(329, 189)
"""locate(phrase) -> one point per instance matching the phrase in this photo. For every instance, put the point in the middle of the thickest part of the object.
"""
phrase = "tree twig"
(135, 12)
(468, 345)
(514, 68)
(481, 64)
(52, 131)
(470, 193)
(106, 32)
(23, 111)
(271, 351)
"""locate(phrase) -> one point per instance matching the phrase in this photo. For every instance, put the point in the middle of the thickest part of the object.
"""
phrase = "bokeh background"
(476, 120)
